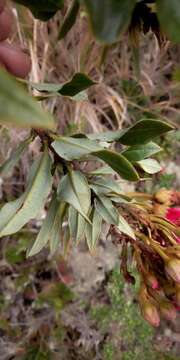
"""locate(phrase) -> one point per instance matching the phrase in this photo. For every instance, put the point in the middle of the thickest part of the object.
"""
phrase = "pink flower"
(173, 215)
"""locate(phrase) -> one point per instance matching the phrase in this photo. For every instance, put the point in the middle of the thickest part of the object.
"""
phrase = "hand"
(15, 60)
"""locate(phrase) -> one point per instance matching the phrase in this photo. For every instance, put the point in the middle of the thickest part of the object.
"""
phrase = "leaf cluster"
(111, 18)
(82, 199)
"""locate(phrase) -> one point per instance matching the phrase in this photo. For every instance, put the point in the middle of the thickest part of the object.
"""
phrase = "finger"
(15, 60)
(2, 5)
(6, 21)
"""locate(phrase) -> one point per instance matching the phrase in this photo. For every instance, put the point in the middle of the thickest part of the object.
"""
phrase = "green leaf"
(81, 96)
(106, 209)
(74, 190)
(140, 152)
(109, 18)
(77, 225)
(15, 214)
(169, 17)
(19, 108)
(76, 85)
(51, 228)
(73, 148)
(57, 228)
(103, 170)
(42, 9)
(125, 228)
(144, 131)
(93, 231)
(141, 132)
(46, 229)
(122, 199)
(106, 185)
(69, 20)
(108, 136)
(150, 166)
(119, 164)
(7, 166)
(46, 87)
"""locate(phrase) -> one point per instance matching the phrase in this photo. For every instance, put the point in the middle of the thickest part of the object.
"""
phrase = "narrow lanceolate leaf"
(46, 229)
(121, 199)
(150, 166)
(18, 108)
(56, 231)
(74, 190)
(106, 186)
(125, 228)
(93, 231)
(169, 16)
(7, 166)
(107, 211)
(69, 20)
(76, 85)
(15, 214)
(77, 225)
(144, 131)
(141, 152)
(72, 148)
(119, 164)
(109, 18)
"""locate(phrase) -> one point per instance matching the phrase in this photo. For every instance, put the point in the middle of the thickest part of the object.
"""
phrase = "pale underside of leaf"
(56, 232)
(7, 166)
(45, 232)
(93, 231)
(106, 185)
(125, 228)
(14, 215)
(74, 190)
(151, 166)
(77, 225)
(17, 107)
(71, 148)
(106, 209)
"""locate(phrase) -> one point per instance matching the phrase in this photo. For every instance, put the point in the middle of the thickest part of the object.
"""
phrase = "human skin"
(12, 58)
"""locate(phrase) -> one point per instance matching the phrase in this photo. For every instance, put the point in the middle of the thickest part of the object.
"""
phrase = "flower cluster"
(156, 255)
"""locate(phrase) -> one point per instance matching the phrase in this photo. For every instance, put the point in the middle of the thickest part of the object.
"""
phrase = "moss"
(129, 336)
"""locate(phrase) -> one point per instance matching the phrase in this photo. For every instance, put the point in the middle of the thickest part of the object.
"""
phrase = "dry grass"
(55, 61)
(109, 105)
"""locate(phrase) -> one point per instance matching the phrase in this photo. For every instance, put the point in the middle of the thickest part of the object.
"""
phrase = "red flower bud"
(152, 281)
(173, 269)
(168, 310)
(150, 313)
